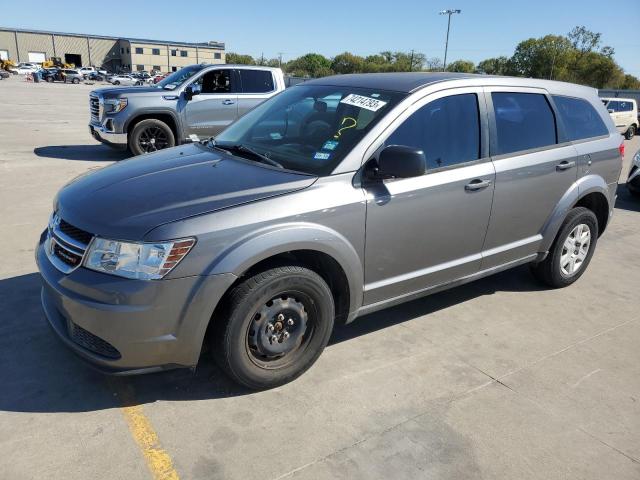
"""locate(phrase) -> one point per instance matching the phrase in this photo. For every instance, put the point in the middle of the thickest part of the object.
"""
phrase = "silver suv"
(195, 102)
(336, 198)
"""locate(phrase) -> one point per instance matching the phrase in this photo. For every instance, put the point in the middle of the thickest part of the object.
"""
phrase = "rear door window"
(523, 121)
(256, 81)
(579, 118)
(447, 130)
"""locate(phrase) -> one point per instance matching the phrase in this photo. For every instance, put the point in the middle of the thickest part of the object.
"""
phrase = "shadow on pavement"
(626, 201)
(81, 152)
(39, 374)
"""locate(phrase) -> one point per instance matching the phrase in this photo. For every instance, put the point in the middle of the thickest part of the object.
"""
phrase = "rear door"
(533, 171)
(210, 112)
(255, 87)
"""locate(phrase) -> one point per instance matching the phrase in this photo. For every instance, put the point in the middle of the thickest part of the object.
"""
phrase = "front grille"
(75, 233)
(94, 108)
(91, 342)
(66, 244)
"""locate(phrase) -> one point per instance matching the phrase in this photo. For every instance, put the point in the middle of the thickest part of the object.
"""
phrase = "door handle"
(565, 165)
(477, 184)
(228, 102)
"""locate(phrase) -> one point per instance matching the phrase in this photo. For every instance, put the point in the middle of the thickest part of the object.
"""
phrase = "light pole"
(446, 45)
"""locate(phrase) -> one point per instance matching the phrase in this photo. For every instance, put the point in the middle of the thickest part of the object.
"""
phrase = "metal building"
(114, 53)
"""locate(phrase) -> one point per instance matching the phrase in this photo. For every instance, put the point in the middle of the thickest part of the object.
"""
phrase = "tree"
(433, 64)
(310, 65)
(238, 59)
(546, 57)
(462, 66)
(495, 66)
(347, 63)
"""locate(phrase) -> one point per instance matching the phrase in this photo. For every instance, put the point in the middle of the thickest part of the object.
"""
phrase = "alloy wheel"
(152, 139)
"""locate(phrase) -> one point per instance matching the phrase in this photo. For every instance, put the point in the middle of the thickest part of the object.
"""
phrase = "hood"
(127, 199)
(115, 92)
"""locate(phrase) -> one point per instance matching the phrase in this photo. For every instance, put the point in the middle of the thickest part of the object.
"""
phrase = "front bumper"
(100, 133)
(129, 326)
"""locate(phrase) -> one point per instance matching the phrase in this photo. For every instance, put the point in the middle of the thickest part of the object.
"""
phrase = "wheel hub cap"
(278, 327)
(575, 250)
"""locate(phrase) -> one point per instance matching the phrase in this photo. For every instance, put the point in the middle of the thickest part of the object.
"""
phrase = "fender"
(579, 189)
(151, 111)
(274, 240)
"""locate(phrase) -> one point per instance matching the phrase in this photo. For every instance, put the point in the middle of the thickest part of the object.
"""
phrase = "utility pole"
(411, 62)
(446, 45)
(262, 58)
(280, 59)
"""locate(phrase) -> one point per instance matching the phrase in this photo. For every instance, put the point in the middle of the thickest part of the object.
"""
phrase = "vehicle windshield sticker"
(346, 124)
(322, 156)
(330, 145)
(367, 103)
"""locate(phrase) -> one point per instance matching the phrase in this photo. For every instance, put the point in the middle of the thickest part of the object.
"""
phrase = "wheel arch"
(590, 191)
(165, 116)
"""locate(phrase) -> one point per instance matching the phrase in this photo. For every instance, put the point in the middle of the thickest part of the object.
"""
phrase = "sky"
(484, 29)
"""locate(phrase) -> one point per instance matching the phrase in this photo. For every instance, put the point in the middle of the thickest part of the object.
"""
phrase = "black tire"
(76, 81)
(630, 133)
(150, 135)
(550, 271)
(117, 82)
(241, 335)
(49, 79)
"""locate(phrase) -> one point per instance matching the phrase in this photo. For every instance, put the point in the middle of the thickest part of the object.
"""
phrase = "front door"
(216, 106)
(425, 231)
(533, 172)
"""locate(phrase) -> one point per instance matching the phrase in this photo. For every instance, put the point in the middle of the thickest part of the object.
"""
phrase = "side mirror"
(190, 91)
(398, 161)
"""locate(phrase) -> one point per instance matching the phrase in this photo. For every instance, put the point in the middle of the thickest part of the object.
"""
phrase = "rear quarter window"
(524, 121)
(579, 118)
(256, 81)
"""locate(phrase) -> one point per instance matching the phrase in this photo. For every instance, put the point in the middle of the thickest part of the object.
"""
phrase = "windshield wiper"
(240, 148)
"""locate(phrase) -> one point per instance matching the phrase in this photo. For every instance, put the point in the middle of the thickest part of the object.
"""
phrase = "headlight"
(114, 105)
(143, 261)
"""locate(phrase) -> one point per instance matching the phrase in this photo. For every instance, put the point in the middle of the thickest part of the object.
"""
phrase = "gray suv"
(198, 101)
(339, 197)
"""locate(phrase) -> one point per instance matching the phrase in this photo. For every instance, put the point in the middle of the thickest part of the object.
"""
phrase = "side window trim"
(420, 102)
(493, 141)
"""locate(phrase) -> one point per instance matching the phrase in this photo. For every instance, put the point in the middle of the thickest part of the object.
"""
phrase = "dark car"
(4, 74)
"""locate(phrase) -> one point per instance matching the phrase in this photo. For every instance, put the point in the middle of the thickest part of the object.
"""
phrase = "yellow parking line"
(158, 461)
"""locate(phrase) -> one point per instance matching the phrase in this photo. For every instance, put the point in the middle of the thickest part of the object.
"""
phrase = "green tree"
(546, 57)
(348, 63)
(310, 65)
(238, 59)
(462, 66)
(495, 66)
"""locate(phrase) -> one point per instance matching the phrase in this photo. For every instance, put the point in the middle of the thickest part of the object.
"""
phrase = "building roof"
(210, 44)
(398, 81)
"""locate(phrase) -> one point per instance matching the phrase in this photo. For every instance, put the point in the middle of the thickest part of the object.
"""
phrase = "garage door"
(37, 57)
(4, 54)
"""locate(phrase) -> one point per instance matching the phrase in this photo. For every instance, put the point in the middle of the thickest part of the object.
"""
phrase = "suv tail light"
(621, 149)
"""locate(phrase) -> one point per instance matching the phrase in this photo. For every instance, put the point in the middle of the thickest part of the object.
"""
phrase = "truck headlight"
(142, 261)
(114, 105)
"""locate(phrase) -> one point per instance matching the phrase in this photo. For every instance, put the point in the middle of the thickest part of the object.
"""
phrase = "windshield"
(310, 128)
(178, 78)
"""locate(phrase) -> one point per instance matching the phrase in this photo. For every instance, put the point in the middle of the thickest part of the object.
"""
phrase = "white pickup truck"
(624, 113)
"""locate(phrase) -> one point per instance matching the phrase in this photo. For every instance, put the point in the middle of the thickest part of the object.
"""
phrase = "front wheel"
(273, 327)
(630, 133)
(76, 81)
(149, 136)
(571, 251)
(117, 82)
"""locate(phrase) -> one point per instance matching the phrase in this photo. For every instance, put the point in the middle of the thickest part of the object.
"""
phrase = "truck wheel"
(273, 327)
(571, 251)
(149, 136)
(631, 131)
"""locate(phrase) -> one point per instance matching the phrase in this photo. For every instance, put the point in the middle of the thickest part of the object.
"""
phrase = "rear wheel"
(273, 327)
(571, 251)
(76, 81)
(49, 79)
(150, 135)
(117, 82)
(630, 133)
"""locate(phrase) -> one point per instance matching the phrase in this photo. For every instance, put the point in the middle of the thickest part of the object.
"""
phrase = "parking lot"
(497, 379)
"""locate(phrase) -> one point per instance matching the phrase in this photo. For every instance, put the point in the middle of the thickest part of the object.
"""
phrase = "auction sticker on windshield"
(367, 103)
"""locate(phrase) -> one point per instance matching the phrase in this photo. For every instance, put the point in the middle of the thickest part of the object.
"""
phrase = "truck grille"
(91, 342)
(94, 108)
(66, 244)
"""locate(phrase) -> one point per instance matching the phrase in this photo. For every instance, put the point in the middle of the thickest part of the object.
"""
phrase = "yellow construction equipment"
(56, 62)
(6, 64)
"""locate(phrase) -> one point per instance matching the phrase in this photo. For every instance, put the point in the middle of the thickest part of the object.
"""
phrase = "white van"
(624, 112)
